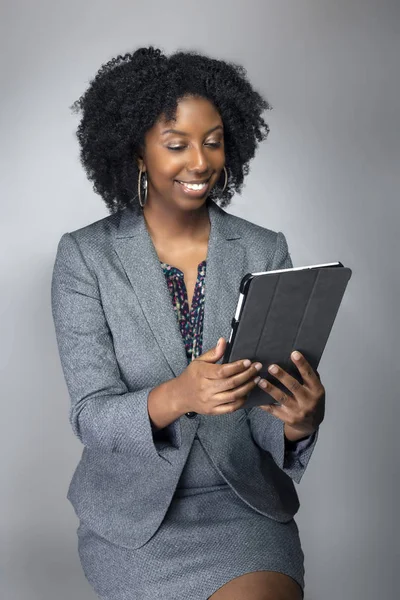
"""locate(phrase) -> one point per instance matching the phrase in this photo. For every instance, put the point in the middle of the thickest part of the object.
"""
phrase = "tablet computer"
(281, 311)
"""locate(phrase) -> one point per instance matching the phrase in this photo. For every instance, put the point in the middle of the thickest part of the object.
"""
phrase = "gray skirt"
(208, 537)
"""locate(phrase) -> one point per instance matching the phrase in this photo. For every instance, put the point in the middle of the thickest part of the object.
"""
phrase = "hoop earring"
(142, 204)
(226, 179)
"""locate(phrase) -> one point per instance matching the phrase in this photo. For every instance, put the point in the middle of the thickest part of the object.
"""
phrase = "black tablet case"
(282, 312)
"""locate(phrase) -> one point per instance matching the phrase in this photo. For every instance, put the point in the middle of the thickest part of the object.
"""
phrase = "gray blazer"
(118, 337)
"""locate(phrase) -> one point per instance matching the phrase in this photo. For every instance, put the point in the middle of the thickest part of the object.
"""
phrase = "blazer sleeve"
(104, 414)
(267, 430)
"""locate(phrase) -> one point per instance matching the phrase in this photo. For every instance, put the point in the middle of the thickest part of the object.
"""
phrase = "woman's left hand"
(302, 408)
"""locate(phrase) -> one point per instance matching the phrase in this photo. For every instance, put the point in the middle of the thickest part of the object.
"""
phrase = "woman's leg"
(259, 585)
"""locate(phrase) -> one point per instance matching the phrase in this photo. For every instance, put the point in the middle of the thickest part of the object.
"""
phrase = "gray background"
(328, 177)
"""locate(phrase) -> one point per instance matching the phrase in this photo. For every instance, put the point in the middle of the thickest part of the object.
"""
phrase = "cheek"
(217, 159)
(167, 167)
(173, 167)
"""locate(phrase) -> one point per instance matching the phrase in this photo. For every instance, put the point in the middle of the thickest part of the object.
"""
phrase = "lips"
(195, 182)
(193, 192)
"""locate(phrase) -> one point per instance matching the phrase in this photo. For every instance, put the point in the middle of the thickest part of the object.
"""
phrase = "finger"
(240, 378)
(214, 354)
(280, 397)
(291, 383)
(275, 410)
(310, 377)
(233, 395)
(228, 369)
(229, 407)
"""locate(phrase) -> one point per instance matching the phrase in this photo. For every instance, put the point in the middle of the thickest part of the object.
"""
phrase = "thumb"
(214, 354)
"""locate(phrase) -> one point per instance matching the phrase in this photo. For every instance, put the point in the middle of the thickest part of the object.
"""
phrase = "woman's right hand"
(211, 389)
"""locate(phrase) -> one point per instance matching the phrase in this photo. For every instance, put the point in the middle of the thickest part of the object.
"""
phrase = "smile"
(194, 189)
(193, 186)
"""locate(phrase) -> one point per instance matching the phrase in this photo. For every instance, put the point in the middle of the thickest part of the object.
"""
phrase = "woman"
(182, 492)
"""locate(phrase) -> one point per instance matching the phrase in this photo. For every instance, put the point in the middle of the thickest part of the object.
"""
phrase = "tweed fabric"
(208, 537)
(118, 338)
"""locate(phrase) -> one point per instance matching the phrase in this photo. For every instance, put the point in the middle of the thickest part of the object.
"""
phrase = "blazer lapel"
(139, 258)
(225, 264)
(225, 269)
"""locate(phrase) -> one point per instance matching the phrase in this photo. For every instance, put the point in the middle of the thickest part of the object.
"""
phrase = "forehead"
(193, 115)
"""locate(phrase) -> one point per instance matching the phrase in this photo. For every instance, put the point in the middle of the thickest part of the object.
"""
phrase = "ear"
(140, 160)
(140, 164)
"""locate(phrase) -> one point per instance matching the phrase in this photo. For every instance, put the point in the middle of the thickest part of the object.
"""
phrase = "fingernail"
(296, 355)
(258, 366)
(257, 379)
(247, 363)
(273, 369)
(263, 383)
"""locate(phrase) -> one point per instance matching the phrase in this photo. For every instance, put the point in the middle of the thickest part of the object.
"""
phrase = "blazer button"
(191, 415)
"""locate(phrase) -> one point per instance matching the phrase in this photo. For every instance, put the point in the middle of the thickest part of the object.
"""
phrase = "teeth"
(194, 186)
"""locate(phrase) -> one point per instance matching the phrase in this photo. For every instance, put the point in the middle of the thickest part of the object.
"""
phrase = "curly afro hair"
(130, 93)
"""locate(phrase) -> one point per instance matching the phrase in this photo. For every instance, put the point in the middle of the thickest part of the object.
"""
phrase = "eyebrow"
(183, 133)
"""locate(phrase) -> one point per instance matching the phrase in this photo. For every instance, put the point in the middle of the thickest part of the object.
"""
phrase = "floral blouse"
(190, 321)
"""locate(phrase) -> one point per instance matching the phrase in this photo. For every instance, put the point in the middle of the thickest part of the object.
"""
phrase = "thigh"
(260, 585)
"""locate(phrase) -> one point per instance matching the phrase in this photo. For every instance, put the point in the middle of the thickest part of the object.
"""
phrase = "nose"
(198, 162)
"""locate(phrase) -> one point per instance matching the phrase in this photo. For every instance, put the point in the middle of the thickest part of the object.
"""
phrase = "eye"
(212, 144)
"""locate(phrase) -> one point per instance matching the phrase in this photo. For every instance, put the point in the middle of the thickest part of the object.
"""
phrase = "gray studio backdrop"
(328, 177)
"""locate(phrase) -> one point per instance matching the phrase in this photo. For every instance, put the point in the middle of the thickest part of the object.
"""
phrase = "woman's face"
(189, 150)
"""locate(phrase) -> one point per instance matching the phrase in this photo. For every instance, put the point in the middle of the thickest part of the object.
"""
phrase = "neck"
(166, 225)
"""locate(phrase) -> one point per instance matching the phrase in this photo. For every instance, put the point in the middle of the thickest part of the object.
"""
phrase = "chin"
(188, 204)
